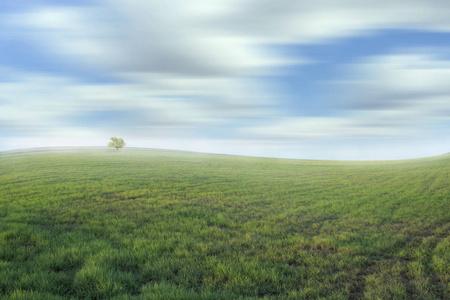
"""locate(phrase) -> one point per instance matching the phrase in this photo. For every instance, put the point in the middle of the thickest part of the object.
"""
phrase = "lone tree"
(116, 143)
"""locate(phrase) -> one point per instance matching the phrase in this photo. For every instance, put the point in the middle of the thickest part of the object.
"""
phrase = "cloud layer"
(194, 75)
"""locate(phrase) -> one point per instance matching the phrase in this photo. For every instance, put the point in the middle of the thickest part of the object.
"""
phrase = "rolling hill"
(93, 223)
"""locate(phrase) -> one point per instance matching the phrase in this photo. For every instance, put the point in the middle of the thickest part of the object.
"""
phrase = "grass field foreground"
(151, 224)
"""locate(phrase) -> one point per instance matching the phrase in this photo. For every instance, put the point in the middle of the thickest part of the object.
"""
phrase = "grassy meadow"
(152, 224)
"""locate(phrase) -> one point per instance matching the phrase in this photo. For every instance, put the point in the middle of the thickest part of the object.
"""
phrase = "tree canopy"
(117, 143)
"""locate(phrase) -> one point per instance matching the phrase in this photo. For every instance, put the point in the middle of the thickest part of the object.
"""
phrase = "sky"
(324, 79)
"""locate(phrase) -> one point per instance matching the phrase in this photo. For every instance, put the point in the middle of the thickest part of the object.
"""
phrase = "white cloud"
(204, 38)
(355, 126)
(393, 96)
(313, 21)
(163, 105)
(403, 87)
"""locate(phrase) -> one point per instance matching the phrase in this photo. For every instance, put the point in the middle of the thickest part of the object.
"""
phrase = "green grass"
(143, 224)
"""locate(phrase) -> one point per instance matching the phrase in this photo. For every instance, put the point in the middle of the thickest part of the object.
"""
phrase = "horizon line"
(36, 149)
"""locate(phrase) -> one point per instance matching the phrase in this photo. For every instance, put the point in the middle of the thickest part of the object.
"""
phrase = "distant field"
(148, 224)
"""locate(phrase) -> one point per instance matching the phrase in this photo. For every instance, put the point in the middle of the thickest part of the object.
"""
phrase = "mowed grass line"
(148, 224)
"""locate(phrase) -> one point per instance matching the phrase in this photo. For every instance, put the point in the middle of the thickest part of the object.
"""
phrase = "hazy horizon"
(87, 148)
(339, 80)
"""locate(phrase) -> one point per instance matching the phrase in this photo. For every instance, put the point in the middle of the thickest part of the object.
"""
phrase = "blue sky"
(299, 79)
